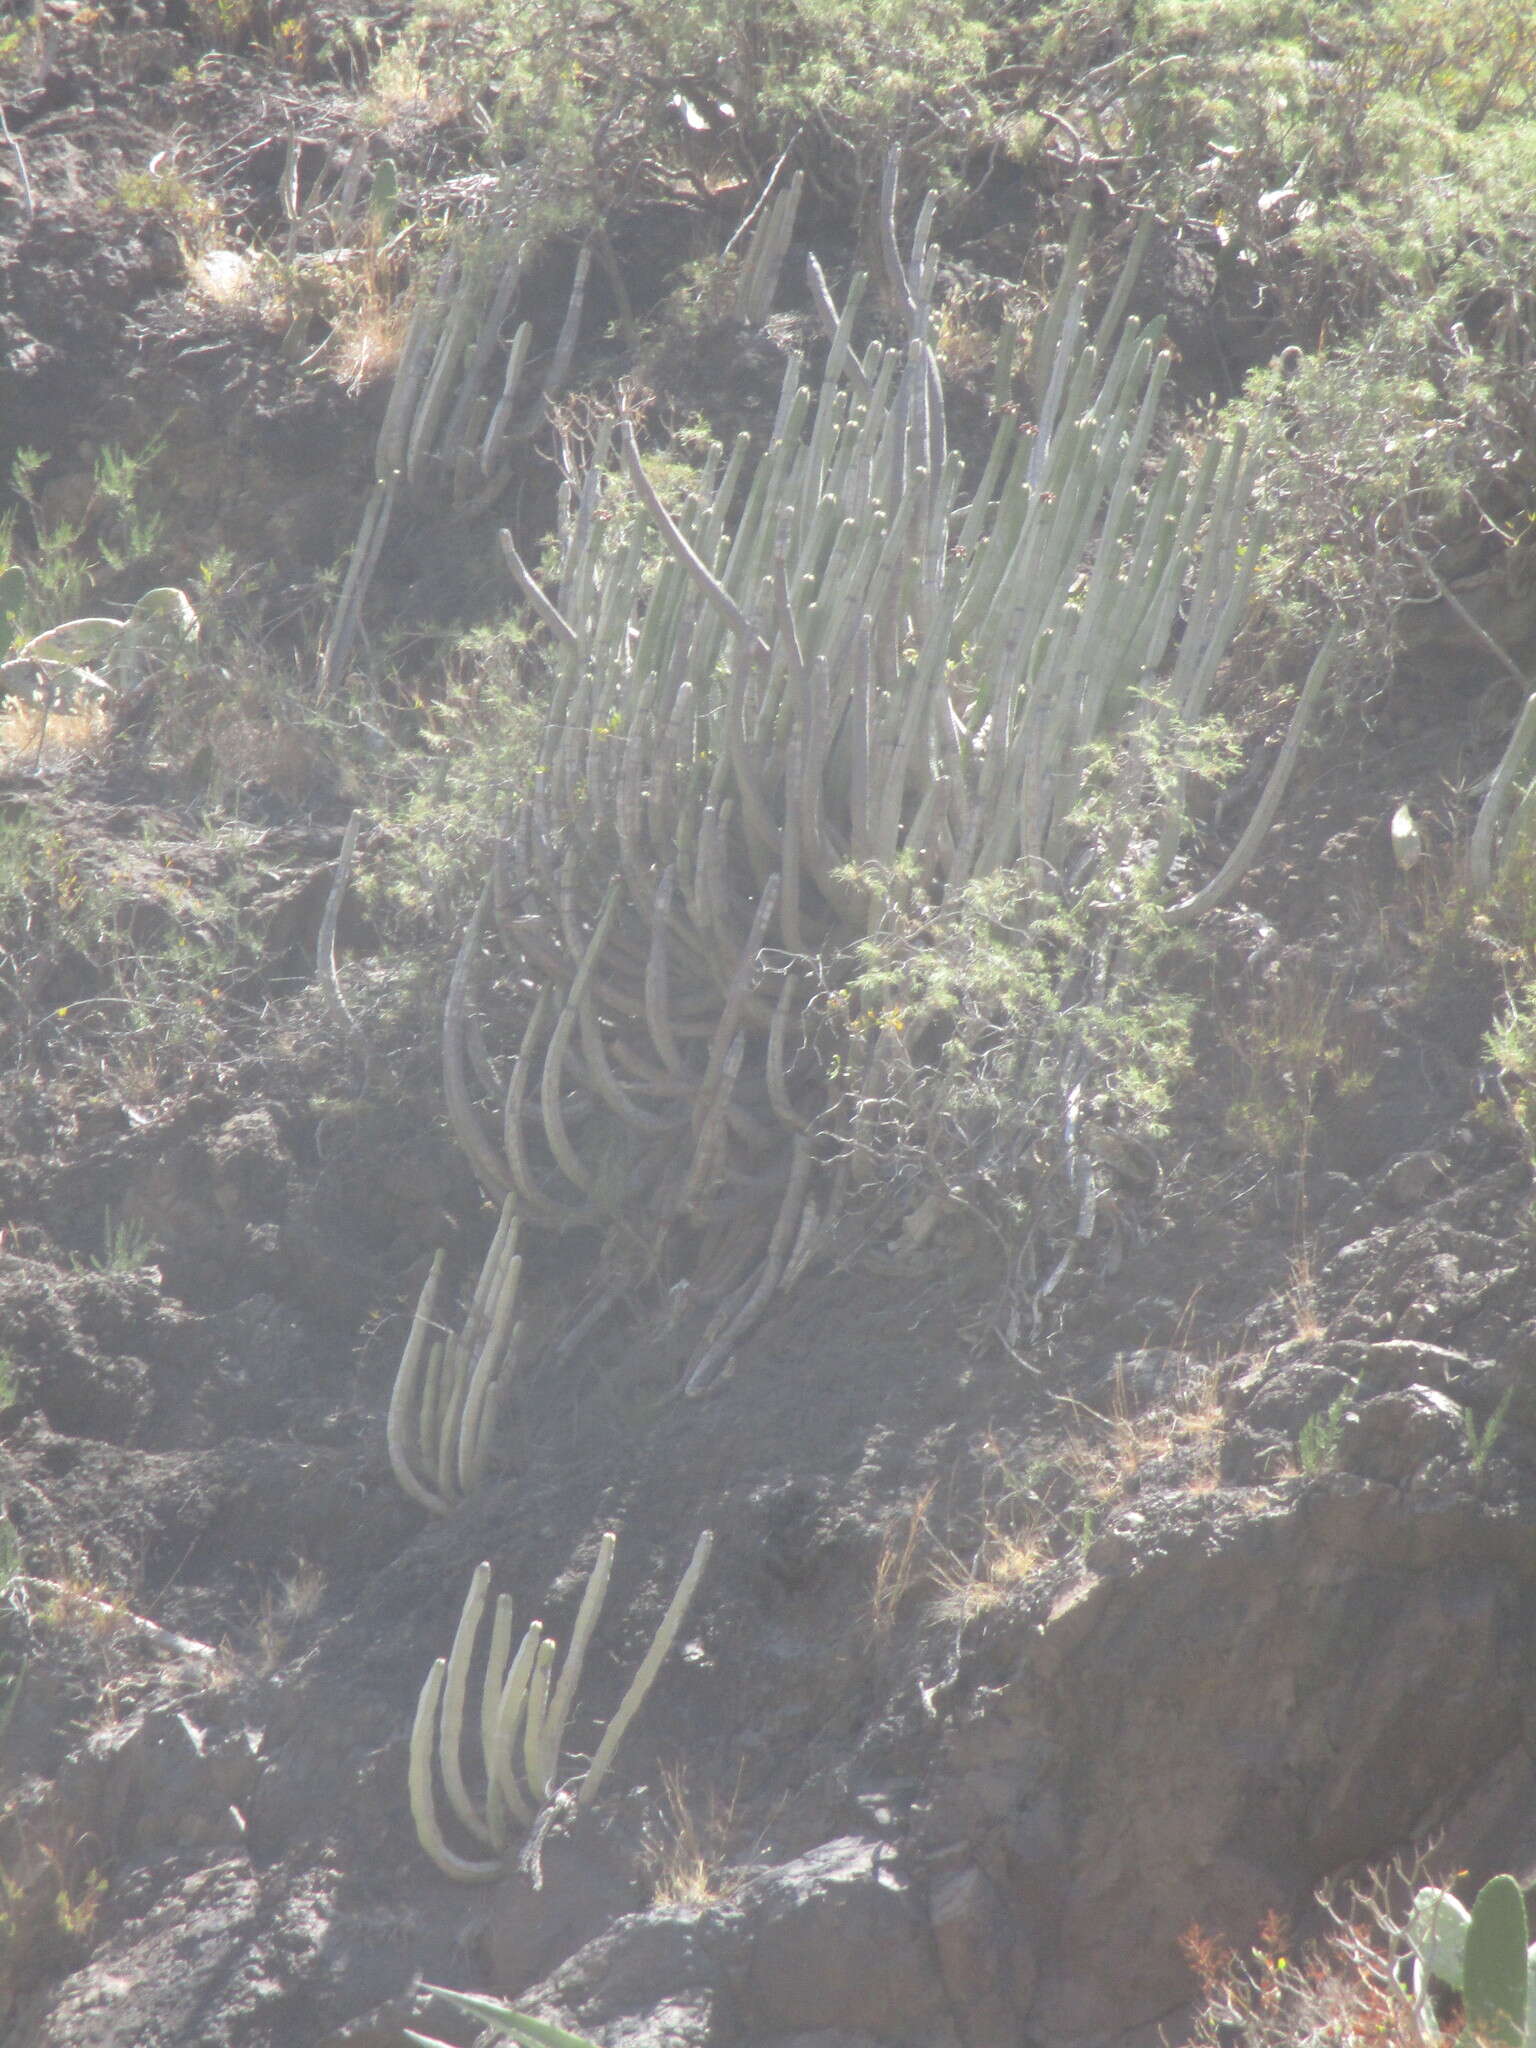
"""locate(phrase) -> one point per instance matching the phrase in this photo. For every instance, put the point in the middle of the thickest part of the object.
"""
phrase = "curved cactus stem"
(534, 1719)
(437, 391)
(501, 413)
(657, 1017)
(389, 457)
(423, 1803)
(766, 252)
(672, 533)
(433, 1396)
(534, 591)
(715, 1356)
(728, 1029)
(493, 1360)
(466, 418)
(807, 1237)
(1240, 859)
(709, 1140)
(551, 1081)
(406, 1396)
(570, 327)
(346, 618)
(490, 1700)
(645, 1677)
(538, 1207)
(775, 1064)
(512, 1706)
(451, 1728)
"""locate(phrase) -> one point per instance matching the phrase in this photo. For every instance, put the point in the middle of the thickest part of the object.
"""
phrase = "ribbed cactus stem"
(405, 1401)
(511, 1709)
(492, 1681)
(645, 1677)
(538, 1780)
(429, 1833)
(564, 1696)
(450, 1758)
(447, 1392)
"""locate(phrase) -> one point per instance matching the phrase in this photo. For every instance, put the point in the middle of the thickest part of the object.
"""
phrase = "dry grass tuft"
(686, 1856)
(32, 739)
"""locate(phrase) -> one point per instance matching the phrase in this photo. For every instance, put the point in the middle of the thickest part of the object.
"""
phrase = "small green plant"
(49, 1901)
(13, 595)
(1297, 1048)
(1480, 1441)
(71, 539)
(126, 1246)
(994, 1013)
(1317, 1445)
(168, 197)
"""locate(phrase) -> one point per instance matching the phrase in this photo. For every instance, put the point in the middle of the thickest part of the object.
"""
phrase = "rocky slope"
(1023, 1650)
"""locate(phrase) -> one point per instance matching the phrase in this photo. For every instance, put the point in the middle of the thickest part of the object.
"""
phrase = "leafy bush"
(1025, 1043)
(637, 98)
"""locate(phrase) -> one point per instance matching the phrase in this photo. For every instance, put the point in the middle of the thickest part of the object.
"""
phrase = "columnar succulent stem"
(523, 1716)
(448, 1389)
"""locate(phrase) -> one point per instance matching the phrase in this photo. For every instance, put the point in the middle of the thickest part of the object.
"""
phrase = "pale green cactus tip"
(523, 1712)
(450, 1385)
(1485, 1954)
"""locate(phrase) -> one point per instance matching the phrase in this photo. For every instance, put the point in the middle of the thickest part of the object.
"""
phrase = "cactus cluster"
(842, 657)
(450, 1385)
(524, 1708)
(1485, 1954)
(462, 400)
(465, 397)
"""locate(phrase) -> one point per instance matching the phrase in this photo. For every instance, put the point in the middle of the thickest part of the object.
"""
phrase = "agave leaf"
(517, 2026)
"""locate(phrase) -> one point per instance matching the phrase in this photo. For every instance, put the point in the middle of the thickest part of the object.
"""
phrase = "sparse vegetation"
(1317, 1445)
(1350, 1986)
(1299, 1051)
(688, 1849)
